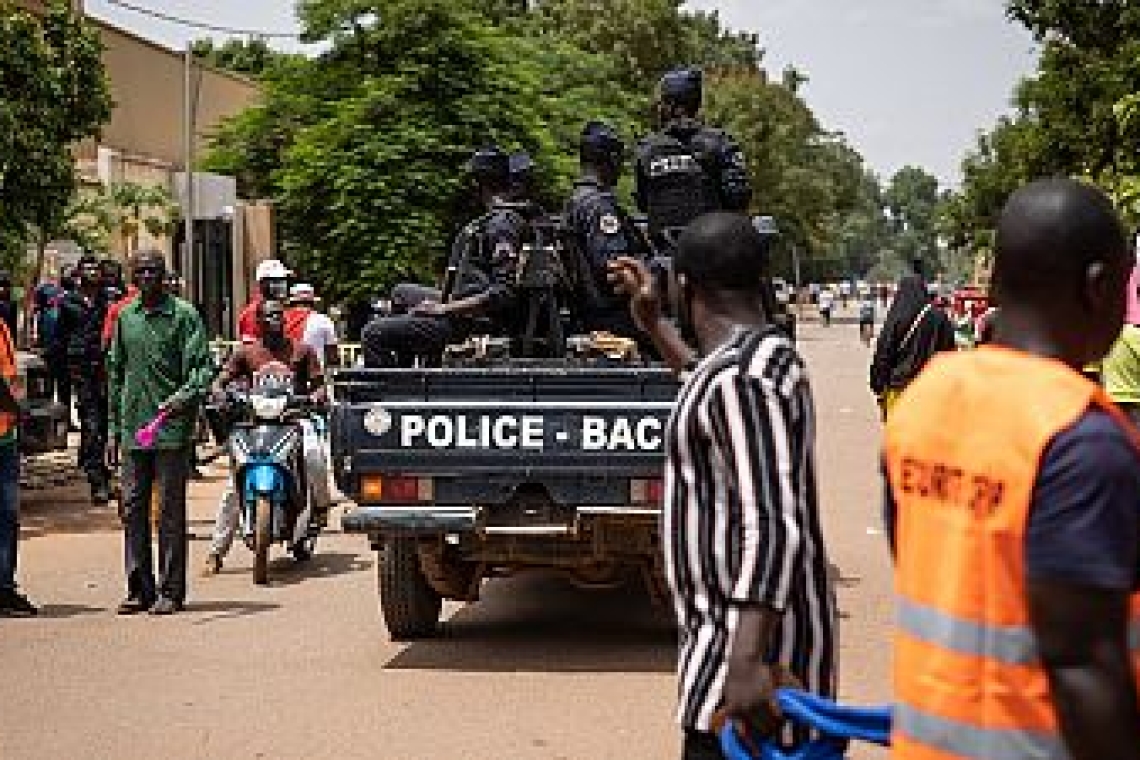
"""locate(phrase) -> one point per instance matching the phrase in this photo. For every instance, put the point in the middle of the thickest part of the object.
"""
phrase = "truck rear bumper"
(422, 520)
(437, 519)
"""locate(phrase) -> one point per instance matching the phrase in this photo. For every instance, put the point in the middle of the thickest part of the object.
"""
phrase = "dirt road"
(304, 669)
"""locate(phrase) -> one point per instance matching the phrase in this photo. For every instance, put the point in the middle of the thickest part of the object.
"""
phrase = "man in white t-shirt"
(318, 330)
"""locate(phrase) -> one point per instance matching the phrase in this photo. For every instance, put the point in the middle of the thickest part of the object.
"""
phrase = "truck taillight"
(646, 491)
(396, 489)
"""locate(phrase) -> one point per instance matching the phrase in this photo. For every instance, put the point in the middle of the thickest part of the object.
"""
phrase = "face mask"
(275, 289)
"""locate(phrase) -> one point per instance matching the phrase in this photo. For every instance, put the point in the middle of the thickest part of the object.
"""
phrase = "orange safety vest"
(10, 374)
(963, 449)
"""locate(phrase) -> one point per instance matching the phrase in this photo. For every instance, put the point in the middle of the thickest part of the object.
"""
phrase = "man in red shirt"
(272, 284)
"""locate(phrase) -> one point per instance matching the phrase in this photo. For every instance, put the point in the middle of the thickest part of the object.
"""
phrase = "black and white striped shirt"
(741, 521)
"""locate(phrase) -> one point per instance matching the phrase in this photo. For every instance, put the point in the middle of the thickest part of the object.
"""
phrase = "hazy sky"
(908, 81)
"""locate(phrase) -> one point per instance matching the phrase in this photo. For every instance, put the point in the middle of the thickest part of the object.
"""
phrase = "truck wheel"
(262, 538)
(409, 604)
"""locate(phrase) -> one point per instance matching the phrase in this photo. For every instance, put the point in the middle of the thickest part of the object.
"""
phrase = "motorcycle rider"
(274, 346)
(272, 279)
(601, 231)
(687, 169)
(486, 253)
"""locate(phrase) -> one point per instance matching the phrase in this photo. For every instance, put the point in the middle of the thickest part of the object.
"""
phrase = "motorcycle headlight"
(268, 407)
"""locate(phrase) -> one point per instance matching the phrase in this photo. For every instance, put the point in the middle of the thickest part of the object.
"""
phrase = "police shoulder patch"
(609, 224)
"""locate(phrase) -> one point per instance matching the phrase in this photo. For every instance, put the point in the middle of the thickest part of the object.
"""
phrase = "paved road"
(304, 669)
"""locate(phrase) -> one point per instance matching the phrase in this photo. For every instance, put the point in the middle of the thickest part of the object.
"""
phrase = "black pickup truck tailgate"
(498, 426)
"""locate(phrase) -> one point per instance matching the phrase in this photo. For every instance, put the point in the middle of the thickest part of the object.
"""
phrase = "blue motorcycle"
(269, 474)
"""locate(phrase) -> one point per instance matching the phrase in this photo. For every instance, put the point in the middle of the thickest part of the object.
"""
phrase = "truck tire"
(410, 605)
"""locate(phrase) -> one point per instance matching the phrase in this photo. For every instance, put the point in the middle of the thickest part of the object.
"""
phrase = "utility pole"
(188, 265)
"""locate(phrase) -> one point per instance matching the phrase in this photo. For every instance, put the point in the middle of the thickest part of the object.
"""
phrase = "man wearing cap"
(485, 258)
(315, 329)
(272, 283)
(600, 230)
(687, 169)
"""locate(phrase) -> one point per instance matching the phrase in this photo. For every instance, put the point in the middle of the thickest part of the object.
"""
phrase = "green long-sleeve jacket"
(157, 355)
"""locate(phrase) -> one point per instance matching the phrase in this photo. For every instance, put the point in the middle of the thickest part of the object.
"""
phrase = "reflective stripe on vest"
(968, 741)
(1011, 644)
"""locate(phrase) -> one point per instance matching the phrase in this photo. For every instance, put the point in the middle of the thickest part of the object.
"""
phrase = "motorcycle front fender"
(264, 480)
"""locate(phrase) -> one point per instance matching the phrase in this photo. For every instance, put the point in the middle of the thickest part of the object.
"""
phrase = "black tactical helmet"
(600, 142)
(490, 166)
(683, 87)
(521, 167)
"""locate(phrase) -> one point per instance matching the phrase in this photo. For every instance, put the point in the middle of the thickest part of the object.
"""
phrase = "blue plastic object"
(837, 724)
(263, 479)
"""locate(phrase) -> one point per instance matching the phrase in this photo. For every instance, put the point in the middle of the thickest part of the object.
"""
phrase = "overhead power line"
(202, 25)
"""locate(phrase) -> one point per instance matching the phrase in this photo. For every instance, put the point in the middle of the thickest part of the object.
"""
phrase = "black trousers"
(397, 341)
(59, 380)
(169, 468)
(92, 392)
(701, 746)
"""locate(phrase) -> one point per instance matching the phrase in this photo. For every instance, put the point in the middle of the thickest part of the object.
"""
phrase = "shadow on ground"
(226, 610)
(542, 623)
(66, 509)
(286, 572)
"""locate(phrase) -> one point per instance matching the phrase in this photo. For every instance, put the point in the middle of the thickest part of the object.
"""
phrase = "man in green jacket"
(159, 363)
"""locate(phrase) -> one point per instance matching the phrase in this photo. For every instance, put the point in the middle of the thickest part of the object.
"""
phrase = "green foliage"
(1075, 117)
(251, 58)
(53, 94)
(363, 148)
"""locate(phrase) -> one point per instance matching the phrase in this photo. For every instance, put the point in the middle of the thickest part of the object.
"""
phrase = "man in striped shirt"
(744, 550)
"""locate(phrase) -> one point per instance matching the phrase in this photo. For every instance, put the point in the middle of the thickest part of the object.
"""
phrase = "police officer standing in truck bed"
(600, 230)
(687, 168)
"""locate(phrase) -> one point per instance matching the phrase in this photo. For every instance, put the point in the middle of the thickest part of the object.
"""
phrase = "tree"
(1074, 116)
(368, 142)
(62, 98)
(251, 58)
(362, 148)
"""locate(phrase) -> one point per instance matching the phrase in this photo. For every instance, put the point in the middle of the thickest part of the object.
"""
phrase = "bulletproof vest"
(472, 250)
(679, 181)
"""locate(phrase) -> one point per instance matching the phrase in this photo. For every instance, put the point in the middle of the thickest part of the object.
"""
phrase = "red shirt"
(249, 330)
(113, 314)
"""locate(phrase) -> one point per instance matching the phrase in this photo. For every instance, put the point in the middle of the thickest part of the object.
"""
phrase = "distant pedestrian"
(12, 602)
(159, 362)
(316, 329)
(82, 316)
(49, 339)
(826, 305)
(744, 550)
(913, 332)
(867, 319)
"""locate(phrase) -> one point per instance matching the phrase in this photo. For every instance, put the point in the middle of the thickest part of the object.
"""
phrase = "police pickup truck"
(470, 471)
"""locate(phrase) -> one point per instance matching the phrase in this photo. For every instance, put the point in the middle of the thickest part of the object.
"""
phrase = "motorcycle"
(269, 475)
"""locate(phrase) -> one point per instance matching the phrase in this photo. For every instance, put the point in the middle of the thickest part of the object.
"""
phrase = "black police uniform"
(686, 170)
(491, 252)
(602, 232)
(81, 324)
